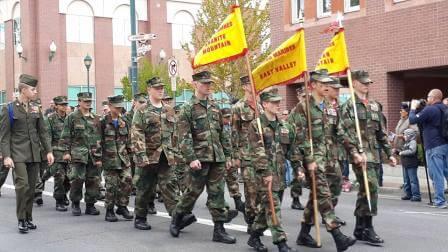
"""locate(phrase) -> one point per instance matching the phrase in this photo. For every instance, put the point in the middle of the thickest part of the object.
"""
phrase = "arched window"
(122, 25)
(182, 28)
(79, 22)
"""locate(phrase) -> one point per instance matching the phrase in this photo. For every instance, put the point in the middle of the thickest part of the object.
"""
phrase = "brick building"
(402, 43)
(99, 28)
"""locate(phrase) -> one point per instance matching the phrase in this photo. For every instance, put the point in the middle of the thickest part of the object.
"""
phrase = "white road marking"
(202, 221)
(443, 214)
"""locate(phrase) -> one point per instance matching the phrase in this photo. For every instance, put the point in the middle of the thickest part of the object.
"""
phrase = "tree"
(147, 71)
(255, 16)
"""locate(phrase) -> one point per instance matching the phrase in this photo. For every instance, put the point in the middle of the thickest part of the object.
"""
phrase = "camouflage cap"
(336, 83)
(321, 76)
(270, 95)
(116, 101)
(85, 96)
(28, 80)
(167, 97)
(362, 76)
(141, 97)
(301, 88)
(155, 82)
(245, 80)
(60, 100)
(105, 102)
(226, 112)
(203, 77)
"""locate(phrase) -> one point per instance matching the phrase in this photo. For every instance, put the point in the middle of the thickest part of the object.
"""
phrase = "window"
(297, 8)
(79, 23)
(2, 35)
(323, 8)
(351, 5)
(182, 29)
(73, 95)
(122, 25)
(3, 100)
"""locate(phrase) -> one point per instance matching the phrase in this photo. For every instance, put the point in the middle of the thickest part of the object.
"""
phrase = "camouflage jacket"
(270, 154)
(374, 137)
(201, 133)
(243, 115)
(55, 125)
(81, 137)
(115, 143)
(152, 133)
(128, 116)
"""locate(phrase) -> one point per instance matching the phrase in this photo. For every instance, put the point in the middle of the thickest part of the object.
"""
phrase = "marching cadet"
(374, 138)
(23, 135)
(269, 152)
(243, 115)
(181, 169)
(138, 102)
(116, 147)
(296, 185)
(207, 149)
(40, 182)
(231, 175)
(323, 127)
(81, 142)
(151, 135)
(59, 170)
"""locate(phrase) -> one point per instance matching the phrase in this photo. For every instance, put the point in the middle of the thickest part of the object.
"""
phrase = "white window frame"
(349, 8)
(399, 1)
(295, 17)
(320, 10)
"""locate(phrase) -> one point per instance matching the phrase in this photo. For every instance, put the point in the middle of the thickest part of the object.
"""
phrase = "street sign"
(140, 37)
(173, 84)
(173, 68)
(143, 49)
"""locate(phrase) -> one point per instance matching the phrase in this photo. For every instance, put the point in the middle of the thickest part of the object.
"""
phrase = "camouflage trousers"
(334, 178)
(40, 182)
(84, 173)
(24, 176)
(263, 219)
(250, 189)
(231, 177)
(296, 186)
(146, 180)
(323, 196)
(3, 174)
(118, 187)
(182, 177)
(60, 173)
(362, 207)
(211, 176)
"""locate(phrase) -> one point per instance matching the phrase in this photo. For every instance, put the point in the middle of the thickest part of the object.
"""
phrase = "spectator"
(409, 161)
(50, 110)
(445, 101)
(436, 146)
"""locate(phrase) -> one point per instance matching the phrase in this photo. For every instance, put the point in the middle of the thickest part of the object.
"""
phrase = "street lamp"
(88, 63)
(19, 49)
(52, 51)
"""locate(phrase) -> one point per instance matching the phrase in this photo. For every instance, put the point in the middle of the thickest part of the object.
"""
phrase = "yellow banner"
(227, 44)
(284, 65)
(335, 58)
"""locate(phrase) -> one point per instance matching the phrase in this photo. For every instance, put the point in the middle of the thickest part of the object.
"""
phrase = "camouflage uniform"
(151, 134)
(181, 168)
(116, 147)
(81, 139)
(231, 175)
(296, 185)
(243, 115)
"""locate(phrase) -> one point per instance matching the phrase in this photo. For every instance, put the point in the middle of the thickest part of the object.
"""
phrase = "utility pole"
(134, 72)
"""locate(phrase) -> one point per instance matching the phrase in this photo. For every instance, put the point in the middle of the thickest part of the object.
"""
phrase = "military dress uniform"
(116, 147)
(269, 152)
(22, 140)
(82, 140)
(203, 138)
(151, 135)
(374, 139)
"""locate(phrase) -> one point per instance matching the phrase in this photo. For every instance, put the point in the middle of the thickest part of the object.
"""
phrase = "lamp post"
(88, 63)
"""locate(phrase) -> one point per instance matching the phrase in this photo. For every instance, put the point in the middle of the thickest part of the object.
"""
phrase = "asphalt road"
(405, 226)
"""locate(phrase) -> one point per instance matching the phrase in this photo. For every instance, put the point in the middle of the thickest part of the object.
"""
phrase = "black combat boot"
(340, 221)
(176, 222)
(60, 206)
(23, 228)
(305, 238)
(296, 204)
(38, 199)
(123, 211)
(76, 210)
(231, 214)
(359, 228)
(220, 234)
(141, 223)
(110, 215)
(91, 210)
(342, 241)
(152, 208)
(255, 242)
(239, 204)
(102, 194)
(250, 223)
(369, 234)
(187, 220)
(29, 223)
(283, 247)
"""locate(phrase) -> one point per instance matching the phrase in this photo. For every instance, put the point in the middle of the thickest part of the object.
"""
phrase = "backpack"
(444, 122)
